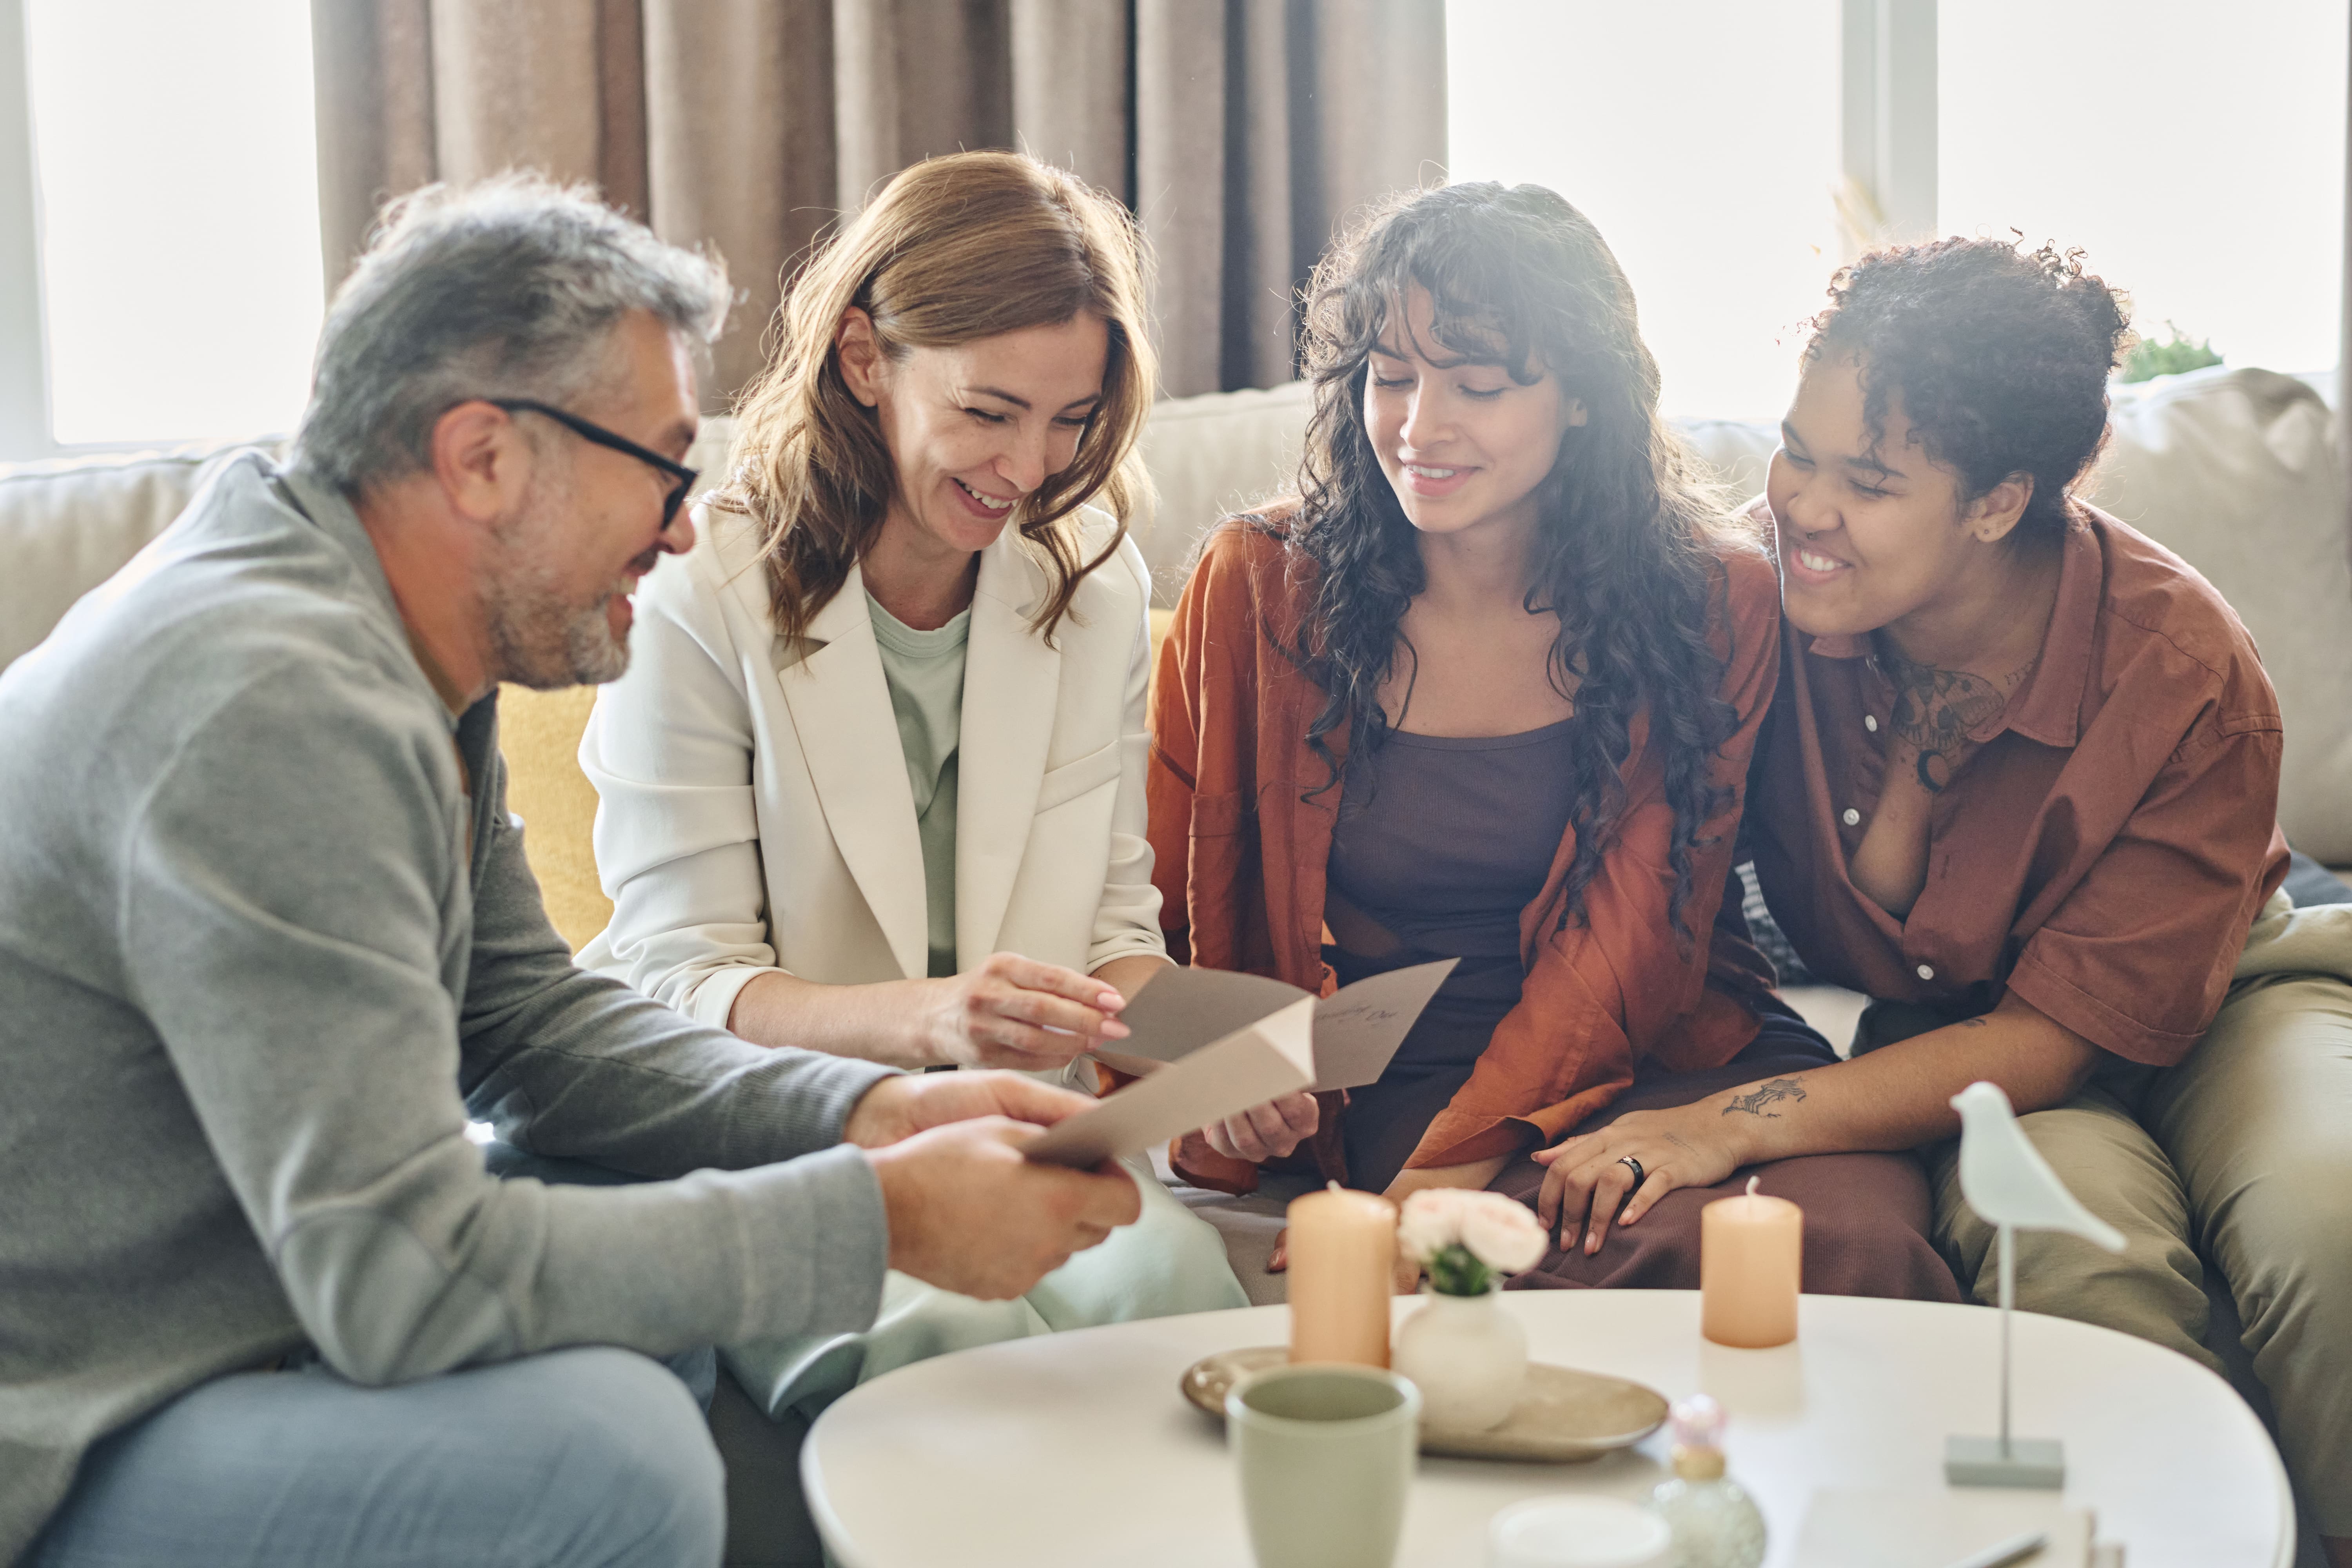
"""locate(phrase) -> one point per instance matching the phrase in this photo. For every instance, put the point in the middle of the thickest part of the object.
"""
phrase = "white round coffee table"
(1078, 1449)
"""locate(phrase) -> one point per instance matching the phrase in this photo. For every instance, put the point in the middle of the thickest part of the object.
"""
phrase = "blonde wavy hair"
(954, 250)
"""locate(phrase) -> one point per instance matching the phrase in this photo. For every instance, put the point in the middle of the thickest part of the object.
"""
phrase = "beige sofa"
(2236, 469)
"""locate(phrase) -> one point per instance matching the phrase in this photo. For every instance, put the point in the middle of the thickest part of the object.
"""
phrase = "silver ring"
(1633, 1165)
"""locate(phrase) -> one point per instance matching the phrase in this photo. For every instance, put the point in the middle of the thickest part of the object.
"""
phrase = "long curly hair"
(1629, 539)
(953, 249)
(1998, 355)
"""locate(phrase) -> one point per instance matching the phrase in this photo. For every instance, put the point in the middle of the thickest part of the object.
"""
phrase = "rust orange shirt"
(1241, 835)
(2105, 852)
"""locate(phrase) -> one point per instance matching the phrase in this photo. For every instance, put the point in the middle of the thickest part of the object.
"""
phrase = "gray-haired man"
(266, 934)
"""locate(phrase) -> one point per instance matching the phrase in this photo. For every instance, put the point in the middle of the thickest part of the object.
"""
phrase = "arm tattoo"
(1771, 1092)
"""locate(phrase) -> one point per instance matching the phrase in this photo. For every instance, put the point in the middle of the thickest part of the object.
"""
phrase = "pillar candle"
(1750, 1262)
(1343, 1268)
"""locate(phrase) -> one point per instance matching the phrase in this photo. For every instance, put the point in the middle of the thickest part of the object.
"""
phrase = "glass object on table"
(1714, 1524)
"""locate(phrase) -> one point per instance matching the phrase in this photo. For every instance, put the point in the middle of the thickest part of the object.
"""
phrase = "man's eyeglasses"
(589, 431)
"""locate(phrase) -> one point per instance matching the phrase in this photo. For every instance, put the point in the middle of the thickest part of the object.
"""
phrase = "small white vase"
(1468, 1356)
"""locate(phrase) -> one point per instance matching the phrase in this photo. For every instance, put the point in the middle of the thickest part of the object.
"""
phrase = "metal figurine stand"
(2005, 1461)
(2012, 1186)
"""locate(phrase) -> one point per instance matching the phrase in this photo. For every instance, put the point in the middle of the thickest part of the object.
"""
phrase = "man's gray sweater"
(250, 983)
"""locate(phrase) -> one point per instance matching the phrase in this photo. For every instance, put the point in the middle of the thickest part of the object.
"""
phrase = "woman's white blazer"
(754, 811)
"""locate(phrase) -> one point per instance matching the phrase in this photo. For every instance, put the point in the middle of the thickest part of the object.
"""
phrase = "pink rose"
(1431, 1223)
(1502, 1232)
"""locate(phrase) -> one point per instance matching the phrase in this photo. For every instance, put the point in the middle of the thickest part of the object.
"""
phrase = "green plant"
(1457, 1271)
(1468, 1240)
(2150, 358)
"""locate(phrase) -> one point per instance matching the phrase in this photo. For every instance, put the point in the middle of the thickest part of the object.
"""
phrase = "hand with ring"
(1619, 1172)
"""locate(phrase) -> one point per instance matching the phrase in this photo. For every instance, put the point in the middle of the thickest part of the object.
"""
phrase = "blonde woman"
(874, 786)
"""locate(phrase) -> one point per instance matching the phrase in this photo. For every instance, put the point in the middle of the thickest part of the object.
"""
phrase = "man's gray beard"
(538, 637)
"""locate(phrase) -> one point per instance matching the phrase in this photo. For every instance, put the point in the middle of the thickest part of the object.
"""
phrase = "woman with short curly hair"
(2018, 786)
(1487, 691)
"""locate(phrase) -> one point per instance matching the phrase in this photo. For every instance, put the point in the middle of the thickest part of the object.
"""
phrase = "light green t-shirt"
(925, 672)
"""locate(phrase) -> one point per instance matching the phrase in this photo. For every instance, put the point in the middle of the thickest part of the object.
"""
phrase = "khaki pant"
(2242, 1154)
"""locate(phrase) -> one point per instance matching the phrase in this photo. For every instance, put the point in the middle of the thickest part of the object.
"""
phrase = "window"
(2195, 153)
(1701, 137)
(174, 156)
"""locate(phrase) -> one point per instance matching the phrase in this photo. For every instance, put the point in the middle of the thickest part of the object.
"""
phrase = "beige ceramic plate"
(1563, 1416)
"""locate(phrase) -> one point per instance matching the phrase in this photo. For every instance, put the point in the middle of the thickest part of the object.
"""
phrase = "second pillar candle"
(1751, 1267)
(1342, 1267)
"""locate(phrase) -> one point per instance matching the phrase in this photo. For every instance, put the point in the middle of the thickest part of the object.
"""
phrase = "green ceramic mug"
(1326, 1456)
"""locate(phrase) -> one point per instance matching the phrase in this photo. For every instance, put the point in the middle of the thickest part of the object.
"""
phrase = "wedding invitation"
(1203, 1044)
(1356, 1030)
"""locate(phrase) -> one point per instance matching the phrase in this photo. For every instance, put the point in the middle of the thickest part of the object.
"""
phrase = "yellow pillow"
(539, 733)
(1160, 621)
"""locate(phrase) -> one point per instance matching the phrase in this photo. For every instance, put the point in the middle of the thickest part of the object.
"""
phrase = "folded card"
(1357, 1031)
(1205, 1042)
(1272, 1057)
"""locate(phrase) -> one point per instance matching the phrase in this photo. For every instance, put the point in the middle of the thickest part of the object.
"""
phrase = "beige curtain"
(1240, 131)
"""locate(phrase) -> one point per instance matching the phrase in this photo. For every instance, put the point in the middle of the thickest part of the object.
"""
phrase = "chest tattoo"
(1936, 710)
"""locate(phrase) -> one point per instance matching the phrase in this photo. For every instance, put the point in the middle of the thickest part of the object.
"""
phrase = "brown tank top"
(1441, 843)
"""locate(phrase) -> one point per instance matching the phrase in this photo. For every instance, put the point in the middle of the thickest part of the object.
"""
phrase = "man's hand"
(1266, 1131)
(900, 1107)
(1013, 1011)
(969, 1214)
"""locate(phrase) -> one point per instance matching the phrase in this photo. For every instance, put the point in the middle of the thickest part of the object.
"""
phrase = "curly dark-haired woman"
(2018, 785)
(1488, 690)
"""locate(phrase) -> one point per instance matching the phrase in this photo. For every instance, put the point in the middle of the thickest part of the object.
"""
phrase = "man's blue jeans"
(576, 1458)
(586, 1457)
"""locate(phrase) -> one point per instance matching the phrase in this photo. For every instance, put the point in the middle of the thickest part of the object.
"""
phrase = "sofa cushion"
(539, 735)
(1735, 452)
(67, 527)
(2238, 471)
(1210, 457)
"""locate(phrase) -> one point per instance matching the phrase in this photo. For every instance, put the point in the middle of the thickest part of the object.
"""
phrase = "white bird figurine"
(2012, 1188)
(2006, 1179)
